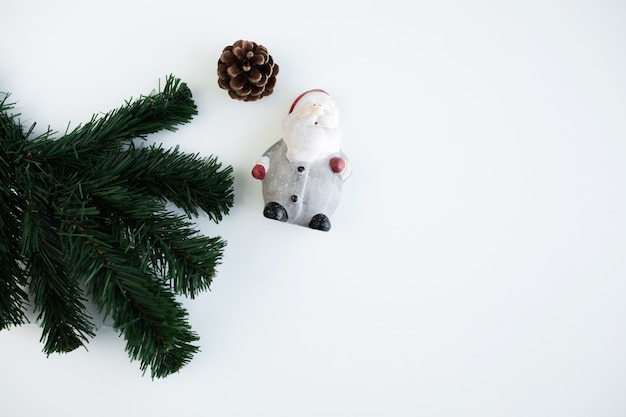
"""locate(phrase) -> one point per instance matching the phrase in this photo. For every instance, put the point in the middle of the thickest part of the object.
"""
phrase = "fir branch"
(203, 183)
(183, 259)
(150, 319)
(136, 119)
(193, 261)
(10, 130)
(13, 298)
(164, 241)
(57, 296)
(13, 279)
(129, 196)
(91, 207)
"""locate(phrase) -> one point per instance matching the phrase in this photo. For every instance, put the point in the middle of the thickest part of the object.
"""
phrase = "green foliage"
(86, 215)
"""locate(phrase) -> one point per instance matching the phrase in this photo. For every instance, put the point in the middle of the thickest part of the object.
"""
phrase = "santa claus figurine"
(303, 173)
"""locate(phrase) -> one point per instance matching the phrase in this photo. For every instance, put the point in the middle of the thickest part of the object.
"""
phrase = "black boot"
(320, 222)
(275, 211)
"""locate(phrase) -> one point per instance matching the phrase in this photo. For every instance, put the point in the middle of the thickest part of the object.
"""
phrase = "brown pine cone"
(247, 71)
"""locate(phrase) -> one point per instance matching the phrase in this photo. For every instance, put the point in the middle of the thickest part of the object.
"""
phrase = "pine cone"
(247, 71)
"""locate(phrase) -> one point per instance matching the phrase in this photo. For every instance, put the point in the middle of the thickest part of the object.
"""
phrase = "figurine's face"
(318, 109)
(311, 129)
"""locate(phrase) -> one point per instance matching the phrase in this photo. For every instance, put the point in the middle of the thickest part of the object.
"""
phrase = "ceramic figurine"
(303, 173)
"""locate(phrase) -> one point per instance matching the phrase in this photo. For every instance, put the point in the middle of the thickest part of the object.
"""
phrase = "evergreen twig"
(90, 207)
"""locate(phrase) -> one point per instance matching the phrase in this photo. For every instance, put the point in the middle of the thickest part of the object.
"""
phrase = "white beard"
(308, 142)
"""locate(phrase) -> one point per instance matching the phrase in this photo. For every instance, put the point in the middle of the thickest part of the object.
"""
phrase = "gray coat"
(304, 189)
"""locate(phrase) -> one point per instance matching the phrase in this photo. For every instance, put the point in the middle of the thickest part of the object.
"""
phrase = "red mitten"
(258, 172)
(337, 164)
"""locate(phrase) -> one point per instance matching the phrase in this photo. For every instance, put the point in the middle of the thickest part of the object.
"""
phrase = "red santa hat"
(315, 90)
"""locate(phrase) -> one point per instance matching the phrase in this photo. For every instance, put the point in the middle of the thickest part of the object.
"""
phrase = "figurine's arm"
(261, 167)
(341, 166)
(263, 164)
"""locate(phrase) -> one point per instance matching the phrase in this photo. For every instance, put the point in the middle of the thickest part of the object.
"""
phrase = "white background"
(476, 265)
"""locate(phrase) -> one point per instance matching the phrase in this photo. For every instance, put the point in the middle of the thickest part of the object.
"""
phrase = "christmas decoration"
(247, 71)
(303, 173)
(86, 215)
